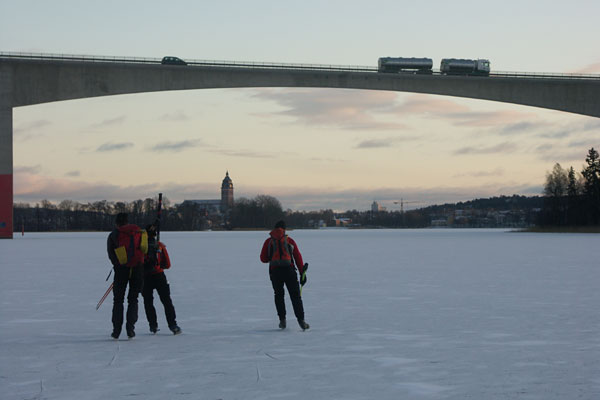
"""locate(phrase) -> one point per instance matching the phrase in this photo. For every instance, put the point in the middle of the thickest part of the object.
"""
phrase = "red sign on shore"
(6, 206)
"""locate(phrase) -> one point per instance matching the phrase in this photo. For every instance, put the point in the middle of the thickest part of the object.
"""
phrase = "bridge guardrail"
(273, 65)
(219, 63)
(78, 57)
(505, 74)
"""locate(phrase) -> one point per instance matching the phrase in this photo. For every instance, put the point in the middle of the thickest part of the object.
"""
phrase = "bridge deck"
(273, 65)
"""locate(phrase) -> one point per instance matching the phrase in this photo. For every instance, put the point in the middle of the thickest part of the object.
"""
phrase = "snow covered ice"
(394, 314)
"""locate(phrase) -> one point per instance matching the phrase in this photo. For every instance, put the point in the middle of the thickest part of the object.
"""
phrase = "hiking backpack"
(281, 252)
(133, 245)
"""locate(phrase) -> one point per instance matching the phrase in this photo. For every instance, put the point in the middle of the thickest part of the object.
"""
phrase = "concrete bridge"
(34, 79)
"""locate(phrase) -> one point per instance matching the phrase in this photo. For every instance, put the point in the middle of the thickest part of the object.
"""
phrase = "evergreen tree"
(591, 174)
(574, 212)
(572, 189)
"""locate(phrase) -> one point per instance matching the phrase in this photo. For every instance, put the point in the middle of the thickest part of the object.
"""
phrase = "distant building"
(226, 193)
(317, 224)
(375, 207)
(218, 206)
(439, 222)
(342, 221)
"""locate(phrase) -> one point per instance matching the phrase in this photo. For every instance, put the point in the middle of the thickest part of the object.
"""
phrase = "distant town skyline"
(310, 148)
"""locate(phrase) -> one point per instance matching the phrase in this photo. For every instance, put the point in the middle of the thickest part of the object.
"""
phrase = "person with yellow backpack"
(127, 246)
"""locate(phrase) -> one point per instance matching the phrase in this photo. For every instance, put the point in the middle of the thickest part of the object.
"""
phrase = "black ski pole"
(158, 215)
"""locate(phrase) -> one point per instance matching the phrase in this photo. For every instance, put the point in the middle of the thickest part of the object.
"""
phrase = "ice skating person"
(283, 256)
(156, 262)
(126, 246)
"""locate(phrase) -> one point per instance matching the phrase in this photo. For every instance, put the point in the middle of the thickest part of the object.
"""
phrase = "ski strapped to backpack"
(162, 255)
(110, 288)
(158, 215)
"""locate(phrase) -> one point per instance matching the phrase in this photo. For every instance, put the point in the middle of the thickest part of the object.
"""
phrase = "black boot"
(175, 329)
(130, 331)
(303, 324)
(282, 324)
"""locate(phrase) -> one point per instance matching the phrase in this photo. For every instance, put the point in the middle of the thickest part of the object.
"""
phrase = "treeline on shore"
(263, 211)
(571, 199)
(259, 212)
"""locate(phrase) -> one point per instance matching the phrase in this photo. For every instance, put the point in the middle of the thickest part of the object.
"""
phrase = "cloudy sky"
(310, 148)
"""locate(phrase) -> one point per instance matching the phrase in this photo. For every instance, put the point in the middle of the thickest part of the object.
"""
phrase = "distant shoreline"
(534, 229)
(561, 229)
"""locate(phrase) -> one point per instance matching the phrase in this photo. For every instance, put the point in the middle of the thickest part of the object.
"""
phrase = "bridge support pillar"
(6, 173)
(6, 152)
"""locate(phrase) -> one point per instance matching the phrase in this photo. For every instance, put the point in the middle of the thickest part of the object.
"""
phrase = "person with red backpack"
(283, 256)
(127, 245)
(154, 278)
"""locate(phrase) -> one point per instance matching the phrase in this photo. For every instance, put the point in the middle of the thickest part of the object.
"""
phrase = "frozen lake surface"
(394, 314)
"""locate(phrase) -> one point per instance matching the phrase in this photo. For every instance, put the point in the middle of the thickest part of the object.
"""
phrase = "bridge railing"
(216, 63)
(79, 57)
(273, 65)
(508, 74)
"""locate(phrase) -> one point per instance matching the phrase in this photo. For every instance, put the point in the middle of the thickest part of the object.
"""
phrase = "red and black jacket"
(157, 259)
(273, 253)
(120, 236)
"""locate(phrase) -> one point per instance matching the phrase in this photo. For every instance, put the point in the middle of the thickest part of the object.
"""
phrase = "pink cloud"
(30, 186)
(355, 109)
(462, 115)
(26, 184)
(504, 148)
(348, 109)
(492, 118)
(417, 104)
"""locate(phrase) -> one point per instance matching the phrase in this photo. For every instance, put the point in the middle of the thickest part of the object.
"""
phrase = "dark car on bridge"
(170, 60)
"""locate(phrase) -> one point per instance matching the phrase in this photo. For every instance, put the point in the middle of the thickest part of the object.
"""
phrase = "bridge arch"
(35, 80)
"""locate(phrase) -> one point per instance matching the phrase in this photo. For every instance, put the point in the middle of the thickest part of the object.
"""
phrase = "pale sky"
(310, 148)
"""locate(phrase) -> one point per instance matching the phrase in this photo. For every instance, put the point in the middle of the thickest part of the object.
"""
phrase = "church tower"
(226, 193)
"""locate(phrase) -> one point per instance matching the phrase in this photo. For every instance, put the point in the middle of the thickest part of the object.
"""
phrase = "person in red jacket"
(125, 254)
(283, 256)
(154, 278)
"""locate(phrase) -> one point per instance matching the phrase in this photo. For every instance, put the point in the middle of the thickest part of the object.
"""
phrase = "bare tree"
(557, 182)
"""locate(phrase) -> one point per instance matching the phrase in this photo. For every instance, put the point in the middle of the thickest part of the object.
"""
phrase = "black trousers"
(158, 282)
(134, 277)
(286, 275)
